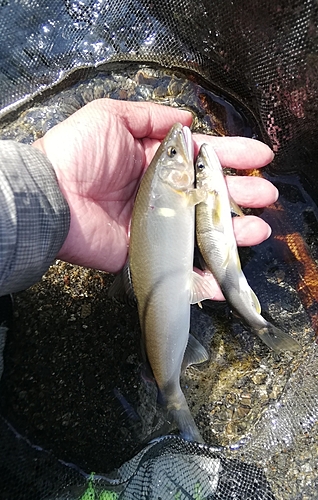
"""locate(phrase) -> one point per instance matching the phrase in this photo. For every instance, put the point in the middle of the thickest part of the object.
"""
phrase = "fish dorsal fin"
(194, 354)
(201, 288)
(122, 288)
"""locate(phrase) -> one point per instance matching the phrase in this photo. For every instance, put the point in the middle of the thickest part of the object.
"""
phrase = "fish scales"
(217, 244)
(160, 274)
(161, 264)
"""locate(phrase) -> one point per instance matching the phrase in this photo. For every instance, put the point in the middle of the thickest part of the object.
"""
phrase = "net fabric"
(295, 413)
(39, 475)
(5, 322)
(172, 468)
(288, 422)
(264, 56)
(166, 468)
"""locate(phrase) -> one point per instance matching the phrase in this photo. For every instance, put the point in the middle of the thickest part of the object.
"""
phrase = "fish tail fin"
(276, 339)
(181, 415)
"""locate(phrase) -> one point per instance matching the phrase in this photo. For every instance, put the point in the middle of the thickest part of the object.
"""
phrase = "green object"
(108, 495)
(92, 494)
(198, 492)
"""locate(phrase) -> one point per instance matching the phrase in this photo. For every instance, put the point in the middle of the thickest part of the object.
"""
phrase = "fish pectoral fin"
(235, 209)
(122, 288)
(201, 289)
(194, 354)
(196, 196)
(216, 208)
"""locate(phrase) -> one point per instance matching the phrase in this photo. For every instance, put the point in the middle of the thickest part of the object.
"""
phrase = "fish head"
(206, 166)
(174, 162)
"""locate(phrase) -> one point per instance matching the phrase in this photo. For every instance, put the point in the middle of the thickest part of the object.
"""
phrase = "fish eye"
(172, 151)
(200, 166)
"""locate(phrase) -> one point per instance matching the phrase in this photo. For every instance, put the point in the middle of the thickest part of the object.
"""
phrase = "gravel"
(73, 380)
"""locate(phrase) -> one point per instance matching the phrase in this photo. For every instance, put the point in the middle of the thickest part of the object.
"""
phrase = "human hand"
(99, 155)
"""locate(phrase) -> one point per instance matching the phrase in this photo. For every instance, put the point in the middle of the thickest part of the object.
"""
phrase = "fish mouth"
(189, 142)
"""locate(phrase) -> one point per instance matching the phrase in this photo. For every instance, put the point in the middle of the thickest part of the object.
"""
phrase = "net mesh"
(263, 54)
(262, 58)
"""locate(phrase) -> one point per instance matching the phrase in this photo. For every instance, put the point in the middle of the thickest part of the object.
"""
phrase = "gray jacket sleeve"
(34, 216)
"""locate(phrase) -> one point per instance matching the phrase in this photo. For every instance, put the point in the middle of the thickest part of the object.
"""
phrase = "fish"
(217, 244)
(161, 271)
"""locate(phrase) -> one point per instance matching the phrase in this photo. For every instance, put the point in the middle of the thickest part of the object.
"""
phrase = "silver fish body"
(161, 262)
(217, 244)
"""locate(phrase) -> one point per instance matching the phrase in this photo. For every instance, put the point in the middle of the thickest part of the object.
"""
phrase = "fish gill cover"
(262, 408)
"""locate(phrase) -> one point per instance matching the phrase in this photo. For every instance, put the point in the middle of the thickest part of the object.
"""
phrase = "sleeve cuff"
(34, 219)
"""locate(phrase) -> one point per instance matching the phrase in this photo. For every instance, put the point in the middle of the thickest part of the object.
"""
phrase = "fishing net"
(243, 68)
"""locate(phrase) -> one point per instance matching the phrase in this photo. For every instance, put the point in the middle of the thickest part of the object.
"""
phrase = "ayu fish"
(217, 244)
(161, 270)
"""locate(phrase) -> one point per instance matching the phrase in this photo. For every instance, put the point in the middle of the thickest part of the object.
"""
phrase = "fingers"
(243, 153)
(145, 119)
(253, 192)
(250, 230)
(237, 152)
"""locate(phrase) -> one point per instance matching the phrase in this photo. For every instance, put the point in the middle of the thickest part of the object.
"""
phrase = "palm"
(99, 155)
(101, 167)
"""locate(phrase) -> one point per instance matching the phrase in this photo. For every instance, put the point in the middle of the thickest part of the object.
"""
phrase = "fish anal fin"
(194, 354)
